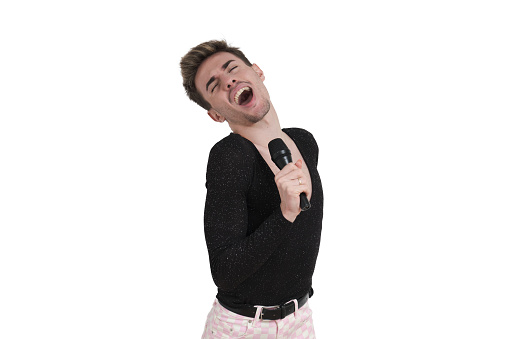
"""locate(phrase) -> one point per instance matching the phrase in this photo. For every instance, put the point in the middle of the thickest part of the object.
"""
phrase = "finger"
(307, 190)
(287, 169)
(297, 190)
(291, 176)
(294, 190)
(300, 181)
(294, 181)
(299, 163)
(304, 187)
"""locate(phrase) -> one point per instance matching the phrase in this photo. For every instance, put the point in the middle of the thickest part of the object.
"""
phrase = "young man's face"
(234, 90)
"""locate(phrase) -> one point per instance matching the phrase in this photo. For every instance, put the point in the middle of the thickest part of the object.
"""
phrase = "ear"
(214, 115)
(258, 71)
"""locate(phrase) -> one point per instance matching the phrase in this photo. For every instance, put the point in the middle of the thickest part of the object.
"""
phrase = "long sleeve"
(234, 255)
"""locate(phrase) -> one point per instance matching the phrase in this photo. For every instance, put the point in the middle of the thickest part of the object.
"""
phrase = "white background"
(103, 159)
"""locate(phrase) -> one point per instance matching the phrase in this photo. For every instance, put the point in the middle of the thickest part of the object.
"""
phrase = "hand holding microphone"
(290, 181)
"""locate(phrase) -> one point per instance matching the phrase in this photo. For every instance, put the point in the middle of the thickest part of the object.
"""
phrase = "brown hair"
(192, 60)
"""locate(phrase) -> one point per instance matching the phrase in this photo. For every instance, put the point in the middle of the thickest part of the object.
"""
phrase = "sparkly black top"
(257, 257)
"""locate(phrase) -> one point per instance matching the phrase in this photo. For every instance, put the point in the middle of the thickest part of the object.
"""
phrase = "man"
(262, 247)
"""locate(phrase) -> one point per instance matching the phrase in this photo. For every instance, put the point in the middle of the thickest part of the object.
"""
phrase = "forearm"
(234, 261)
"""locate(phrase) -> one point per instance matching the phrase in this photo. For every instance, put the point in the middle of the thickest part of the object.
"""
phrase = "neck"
(262, 132)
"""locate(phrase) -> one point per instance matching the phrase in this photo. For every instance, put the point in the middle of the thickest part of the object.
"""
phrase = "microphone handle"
(304, 202)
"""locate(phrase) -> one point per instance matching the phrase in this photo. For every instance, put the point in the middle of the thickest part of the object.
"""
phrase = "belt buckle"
(285, 308)
(270, 308)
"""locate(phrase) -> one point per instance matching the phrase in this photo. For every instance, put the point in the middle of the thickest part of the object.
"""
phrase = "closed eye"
(212, 90)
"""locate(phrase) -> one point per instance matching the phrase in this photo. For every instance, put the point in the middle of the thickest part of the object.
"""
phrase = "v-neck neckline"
(267, 167)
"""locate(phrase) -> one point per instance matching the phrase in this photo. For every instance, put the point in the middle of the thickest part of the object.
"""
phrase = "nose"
(230, 83)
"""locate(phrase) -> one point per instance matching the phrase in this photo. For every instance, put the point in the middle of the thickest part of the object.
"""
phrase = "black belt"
(270, 313)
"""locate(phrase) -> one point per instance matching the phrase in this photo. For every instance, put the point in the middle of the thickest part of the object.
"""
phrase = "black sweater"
(257, 257)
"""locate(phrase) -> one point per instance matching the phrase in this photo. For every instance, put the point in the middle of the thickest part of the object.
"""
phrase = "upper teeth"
(239, 93)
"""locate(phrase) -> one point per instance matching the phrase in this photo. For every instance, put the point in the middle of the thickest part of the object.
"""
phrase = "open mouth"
(243, 96)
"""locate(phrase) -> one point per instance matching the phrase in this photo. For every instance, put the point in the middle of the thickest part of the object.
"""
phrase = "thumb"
(299, 163)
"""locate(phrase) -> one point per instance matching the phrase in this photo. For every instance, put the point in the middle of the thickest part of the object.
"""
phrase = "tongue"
(245, 97)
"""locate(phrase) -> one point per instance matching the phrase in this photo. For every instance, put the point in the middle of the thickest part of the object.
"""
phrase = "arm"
(233, 255)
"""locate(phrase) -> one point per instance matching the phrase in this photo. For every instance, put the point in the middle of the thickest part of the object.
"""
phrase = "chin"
(259, 115)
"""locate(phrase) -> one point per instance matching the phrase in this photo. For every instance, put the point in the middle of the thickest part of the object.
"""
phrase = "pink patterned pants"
(222, 323)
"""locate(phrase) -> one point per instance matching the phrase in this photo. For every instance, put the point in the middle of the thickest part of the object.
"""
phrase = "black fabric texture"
(257, 257)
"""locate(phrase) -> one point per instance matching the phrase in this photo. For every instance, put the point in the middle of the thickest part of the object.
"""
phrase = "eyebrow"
(211, 80)
(226, 64)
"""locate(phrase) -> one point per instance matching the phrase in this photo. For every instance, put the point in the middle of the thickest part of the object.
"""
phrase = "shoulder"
(231, 147)
(302, 136)
(299, 133)
(304, 139)
(231, 158)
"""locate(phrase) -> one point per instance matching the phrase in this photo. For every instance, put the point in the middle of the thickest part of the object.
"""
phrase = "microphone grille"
(277, 146)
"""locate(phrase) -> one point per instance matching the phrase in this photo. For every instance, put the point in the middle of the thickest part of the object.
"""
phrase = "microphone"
(282, 156)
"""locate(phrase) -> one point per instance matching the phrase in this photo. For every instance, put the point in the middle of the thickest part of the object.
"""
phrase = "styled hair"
(193, 59)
